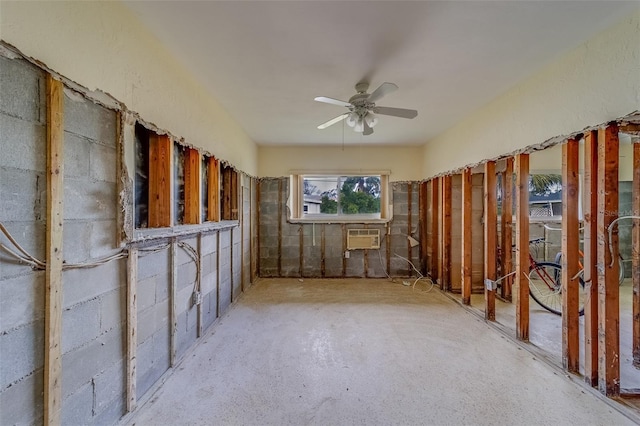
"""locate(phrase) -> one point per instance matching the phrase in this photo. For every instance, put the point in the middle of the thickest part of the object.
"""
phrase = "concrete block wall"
(94, 320)
(93, 298)
(317, 250)
(22, 212)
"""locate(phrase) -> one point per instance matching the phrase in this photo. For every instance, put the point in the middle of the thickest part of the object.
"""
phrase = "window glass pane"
(341, 195)
(360, 195)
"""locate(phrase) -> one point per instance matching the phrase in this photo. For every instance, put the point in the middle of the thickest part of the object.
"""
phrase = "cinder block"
(22, 90)
(182, 256)
(89, 200)
(103, 162)
(31, 236)
(25, 399)
(163, 286)
(186, 339)
(23, 194)
(111, 413)
(144, 358)
(109, 388)
(84, 284)
(77, 408)
(153, 319)
(80, 365)
(184, 302)
(162, 349)
(209, 263)
(23, 144)
(225, 239)
(209, 244)
(80, 324)
(24, 347)
(21, 300)
(112, 309)
(90, 120)
(154, 264)
(76, 156)
(146, 293)
(76, 243)
(186, 275)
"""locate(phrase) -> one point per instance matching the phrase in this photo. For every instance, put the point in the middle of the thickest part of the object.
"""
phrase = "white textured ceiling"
(265, 61)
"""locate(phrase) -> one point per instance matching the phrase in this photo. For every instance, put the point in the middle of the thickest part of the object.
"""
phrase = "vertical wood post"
(409, 224)
(192, 196)
(570, 268)
(132, 327)
(522, 247)
(199, 317)
(490, 237)
(53, 273)
(635, 206)
(160, 172)
(213, 212)
(446, 233)
(424, 242)
(608, 291)
(173, 313)
(506, 225)
(590, 208)
(434, 226)
(466, 269)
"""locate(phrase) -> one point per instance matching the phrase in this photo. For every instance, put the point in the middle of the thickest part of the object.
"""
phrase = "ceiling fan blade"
(367, 130)
(382, 90)
(332, 101)
(396, 112)
(333, 121)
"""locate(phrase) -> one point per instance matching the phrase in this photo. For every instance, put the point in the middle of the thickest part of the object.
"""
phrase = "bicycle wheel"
(545, 287)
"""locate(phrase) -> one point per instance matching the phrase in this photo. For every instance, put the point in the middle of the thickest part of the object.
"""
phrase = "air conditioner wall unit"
(360, 239)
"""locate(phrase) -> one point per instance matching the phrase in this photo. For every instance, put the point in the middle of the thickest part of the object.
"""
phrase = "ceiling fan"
(362, 108)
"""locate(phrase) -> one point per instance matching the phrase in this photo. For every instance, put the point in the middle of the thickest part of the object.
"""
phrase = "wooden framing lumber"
(192, 196)
(226, 193)
(54, 233)
(160, 172)
(506, 226)
(570, 268)
(466, 268)
(424, 239)
(590, 249)
(608, 290)
(173, 300)
(409, 224)
(434, 267)
(213, 212)
(445, 278)
(636, 254)
(132, 327)
(490, 238)
(522, 247)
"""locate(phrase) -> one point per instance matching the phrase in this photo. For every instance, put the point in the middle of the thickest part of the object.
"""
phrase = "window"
(344, 197)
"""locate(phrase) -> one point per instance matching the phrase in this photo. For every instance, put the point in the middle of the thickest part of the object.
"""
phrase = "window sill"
(150, 234)
(338, 221)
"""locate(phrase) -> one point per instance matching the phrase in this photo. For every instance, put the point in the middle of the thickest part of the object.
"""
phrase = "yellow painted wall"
(100, 45)
(597, 82)
(405, 163)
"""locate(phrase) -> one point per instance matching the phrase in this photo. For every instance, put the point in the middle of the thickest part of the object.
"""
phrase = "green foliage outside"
(358, 195)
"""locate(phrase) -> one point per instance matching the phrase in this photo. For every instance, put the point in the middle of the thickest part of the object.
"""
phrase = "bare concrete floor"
(344, 352)
(545, 332)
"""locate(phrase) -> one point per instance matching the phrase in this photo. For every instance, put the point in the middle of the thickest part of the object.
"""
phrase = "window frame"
(296, 198)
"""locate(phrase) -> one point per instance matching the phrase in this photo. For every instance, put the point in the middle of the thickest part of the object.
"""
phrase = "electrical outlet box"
(490, 284)
(346, 254)
(196, 298)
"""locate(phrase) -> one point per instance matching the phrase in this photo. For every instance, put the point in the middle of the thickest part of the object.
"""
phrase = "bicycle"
(545, 283)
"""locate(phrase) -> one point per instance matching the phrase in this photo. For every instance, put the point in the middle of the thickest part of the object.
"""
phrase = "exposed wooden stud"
(608, 290)
(590, 207)
(235, 194)
(522, 247)
(301, 250)
(409, 224)
(218, 273)
(631, 128)
(570, 268)
(173, 313)
(388, 249)
(199, 317)
(257, 228)
(490, 238)
(132, 327)
(231, 274)
(54, 253)
(446, 233)
(506, 233)
(434, 264)
(635, 207)
(323, 265)
(160, 172)
(213, 176)
(280, 204)
(192, 194)
(226, 197)
(344, 249)
(466, 269)
(424, 242)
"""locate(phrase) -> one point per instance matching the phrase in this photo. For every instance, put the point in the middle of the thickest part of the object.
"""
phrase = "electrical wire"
(610, 231)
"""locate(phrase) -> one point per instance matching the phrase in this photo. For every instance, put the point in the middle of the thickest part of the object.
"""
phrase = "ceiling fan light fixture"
(352, 119)
(359, 127)
(371, 120)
